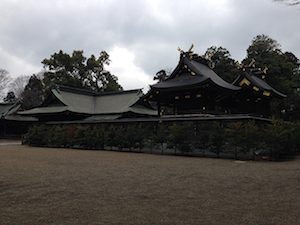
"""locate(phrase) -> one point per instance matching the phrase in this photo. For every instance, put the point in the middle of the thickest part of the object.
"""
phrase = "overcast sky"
(140, 36)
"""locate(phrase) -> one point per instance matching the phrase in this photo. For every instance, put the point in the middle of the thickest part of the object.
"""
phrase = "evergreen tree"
(217, 138)
(10, 98)
(159, 137)
(236, 136)
(33, 94)
(201, 138)
(252, 138)
(275, 138)
(180, 137)
(222, 63)
(283, 74)
(79, 72)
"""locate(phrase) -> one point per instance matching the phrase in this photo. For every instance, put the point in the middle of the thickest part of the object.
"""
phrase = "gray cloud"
(152, 30)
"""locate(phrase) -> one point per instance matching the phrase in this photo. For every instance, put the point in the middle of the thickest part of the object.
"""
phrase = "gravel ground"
(67, 186)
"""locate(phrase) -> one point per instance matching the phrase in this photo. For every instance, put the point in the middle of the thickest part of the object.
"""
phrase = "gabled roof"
(90, 103)
(7, 109)
(249, 76)
(193, 70)
(8, 112)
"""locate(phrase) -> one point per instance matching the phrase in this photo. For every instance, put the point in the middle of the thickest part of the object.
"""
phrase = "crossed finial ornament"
(180, 50)
(239, 65)
(195, 56)
(251, 63)
(190, 50)
(251, 68)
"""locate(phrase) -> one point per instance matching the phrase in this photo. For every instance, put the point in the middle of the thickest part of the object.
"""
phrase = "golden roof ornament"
(194, 56)
(251, 63)
(180, 50)
(190, 50)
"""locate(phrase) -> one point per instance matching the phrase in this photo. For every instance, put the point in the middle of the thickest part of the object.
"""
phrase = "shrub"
(98, 137)
(81, 136)
(37, 136)
(57, 136)
(90, 137)
(281, 138)
(129, 136)
(120, 140)
(70, 134)
(111, 138)
(252, 138)
(235, 133)
(159, 137)
(141, 134)
(201, 139)
(180, 137)
(217, 138)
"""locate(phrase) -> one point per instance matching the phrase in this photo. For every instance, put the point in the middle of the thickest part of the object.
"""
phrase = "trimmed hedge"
(273, 140)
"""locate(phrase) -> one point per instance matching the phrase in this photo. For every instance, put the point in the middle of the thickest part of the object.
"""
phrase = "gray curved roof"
(259, 83)
(91, 103)
(185, 79)
(194, 74)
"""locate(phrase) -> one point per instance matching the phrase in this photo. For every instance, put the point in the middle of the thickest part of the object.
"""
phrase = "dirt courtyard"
(67, 186)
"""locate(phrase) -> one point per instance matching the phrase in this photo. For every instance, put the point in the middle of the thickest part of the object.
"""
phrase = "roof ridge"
(90, 92)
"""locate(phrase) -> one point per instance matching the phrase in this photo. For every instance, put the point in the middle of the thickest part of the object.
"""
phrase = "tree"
(289, 2)
(4, 80)
(236, 136)
(82, 137)
(111, 137)
(129, 136)
(180, 137)
(275, 138)
(10, 98)
(262, 46)
(159, 137)
(222, 63)
(283, 73)
(201, 139)
(17, 86)
(78, 71)
(57, 136)
(252, 138)
(108, 83)
(90, 137)
(37, 136)
(33, 94)
(217, 138)
(121, 140)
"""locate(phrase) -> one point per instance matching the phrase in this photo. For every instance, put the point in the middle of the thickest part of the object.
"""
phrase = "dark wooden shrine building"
(11, 124)
(194, 88)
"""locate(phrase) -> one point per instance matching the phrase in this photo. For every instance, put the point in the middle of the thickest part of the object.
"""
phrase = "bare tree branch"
(289, 2)
(17, 86)
(4, 80)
